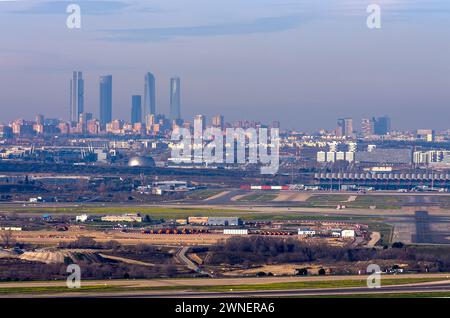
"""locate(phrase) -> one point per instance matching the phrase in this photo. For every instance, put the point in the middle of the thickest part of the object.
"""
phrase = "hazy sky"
(303, 62)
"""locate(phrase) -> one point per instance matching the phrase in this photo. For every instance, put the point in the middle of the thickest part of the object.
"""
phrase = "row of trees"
(263, 250)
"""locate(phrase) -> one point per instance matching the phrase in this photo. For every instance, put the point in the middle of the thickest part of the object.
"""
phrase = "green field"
(328, 200)
(182, 212)
(386, 295)
(259, 197)
(380, 201)
(386, 231)
(310, 284)
(362, 201)
(217, 288)
(202, 194)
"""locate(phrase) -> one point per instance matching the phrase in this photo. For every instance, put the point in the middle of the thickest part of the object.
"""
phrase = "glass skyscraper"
(105, 100)
(175, 99)
(76, 96)
(136, 109)
(382, 125)
(149, 95)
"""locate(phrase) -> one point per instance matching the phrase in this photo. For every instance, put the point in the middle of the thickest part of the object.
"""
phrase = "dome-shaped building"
(139, 161)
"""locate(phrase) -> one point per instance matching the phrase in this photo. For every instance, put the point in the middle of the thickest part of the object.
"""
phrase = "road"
(181, 256)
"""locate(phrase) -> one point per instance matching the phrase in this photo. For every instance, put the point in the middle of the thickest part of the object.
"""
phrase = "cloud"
(261, 25)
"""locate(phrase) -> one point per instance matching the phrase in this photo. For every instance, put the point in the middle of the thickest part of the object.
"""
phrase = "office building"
(76, 96)
(136, 109)
(218, 122)
(382, 125)
(367, 127)
(344, 127)
(202, 120)
(426, 134)
(175, 99)
(384, 156)
(105, 100)
(149, 95)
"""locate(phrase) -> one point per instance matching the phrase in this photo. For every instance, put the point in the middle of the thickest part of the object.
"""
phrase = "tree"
(7, 239)
(397, 245)
(301, 271)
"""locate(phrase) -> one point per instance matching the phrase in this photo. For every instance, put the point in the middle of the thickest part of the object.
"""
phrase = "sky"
(304, 63)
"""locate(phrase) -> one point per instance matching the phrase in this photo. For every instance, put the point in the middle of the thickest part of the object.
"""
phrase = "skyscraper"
(136, 109)
(76, 96)
(340, 130)
(201, 120)
(218, 121)
(149, 95)
(345, 127)
(367, 127)
(105, 100)
(175, 99)
(382, 125)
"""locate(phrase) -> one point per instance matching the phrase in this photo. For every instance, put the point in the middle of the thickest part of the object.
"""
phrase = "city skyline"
(320, 61)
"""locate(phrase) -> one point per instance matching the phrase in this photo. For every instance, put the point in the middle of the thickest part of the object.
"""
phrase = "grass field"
(386, 231)
(387, 295)
(380, 201)
(202, 194)
(182, 212)
(216, 288)
(362, 201)
(259, 197)
(329, 200)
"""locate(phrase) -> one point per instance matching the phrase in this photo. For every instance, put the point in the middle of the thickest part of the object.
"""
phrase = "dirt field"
(238, 197)
(218, 195)
(292, 197)
(54, 237)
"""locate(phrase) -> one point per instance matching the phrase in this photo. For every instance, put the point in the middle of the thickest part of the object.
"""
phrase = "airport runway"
(418, 288)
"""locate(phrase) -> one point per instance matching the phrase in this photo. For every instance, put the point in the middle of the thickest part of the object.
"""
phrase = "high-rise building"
(39, 119)
(201, 119)
(348, 127)
(340, 130)
(149, 95)
(136, 109)
(218, 121)
(76, 96)
(344, 127)
(367, 127)
(83, 122)
(105, 100)
(382, 125)
(175, 99)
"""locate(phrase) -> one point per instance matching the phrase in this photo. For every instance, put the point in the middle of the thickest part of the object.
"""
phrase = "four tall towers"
(140, 111)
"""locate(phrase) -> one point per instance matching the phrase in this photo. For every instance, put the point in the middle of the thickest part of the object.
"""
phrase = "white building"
(235, 231)
(348, 233)
(122, 218)
(306, 232)
(81, 218)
